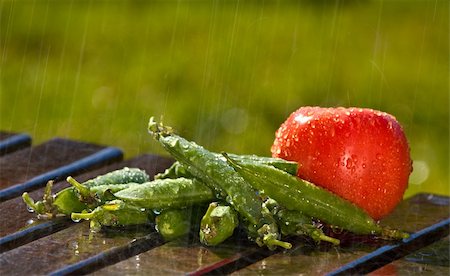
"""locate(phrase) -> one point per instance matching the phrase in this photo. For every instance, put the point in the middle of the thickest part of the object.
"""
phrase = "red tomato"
(359, 154)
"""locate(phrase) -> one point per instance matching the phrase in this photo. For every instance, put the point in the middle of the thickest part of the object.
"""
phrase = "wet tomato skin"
(360, 154)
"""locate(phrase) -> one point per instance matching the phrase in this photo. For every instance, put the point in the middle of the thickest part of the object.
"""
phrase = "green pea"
(218, 224)
(173, 223)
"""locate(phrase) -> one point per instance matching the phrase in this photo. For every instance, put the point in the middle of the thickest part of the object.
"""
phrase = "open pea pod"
(82, 195)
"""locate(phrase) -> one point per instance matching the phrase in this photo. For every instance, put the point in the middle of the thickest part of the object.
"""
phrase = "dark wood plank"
(390, 253)
(431, 260)
(10, 142)
(31, 168)
(20, 227)
(305, 258)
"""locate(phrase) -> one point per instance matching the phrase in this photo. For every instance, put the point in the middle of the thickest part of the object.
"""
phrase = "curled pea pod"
(284, 165)
(217, 224)
(69, 200)
(299, 195)
(224, 180)
(115, 213)
(167, 193)
(175, 171)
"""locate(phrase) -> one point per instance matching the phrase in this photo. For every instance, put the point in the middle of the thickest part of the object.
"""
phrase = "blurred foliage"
(224, 73)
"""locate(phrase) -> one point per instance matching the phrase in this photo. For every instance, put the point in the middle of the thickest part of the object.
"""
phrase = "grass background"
(224, 73)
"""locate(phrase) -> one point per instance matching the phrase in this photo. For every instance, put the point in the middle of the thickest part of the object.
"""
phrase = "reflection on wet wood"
(431, 260)
(65, 247)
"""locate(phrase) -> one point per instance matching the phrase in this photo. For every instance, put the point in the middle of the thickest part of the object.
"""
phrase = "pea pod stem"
(38, 208)
(83, 190)
(79, 216)
(44, 208)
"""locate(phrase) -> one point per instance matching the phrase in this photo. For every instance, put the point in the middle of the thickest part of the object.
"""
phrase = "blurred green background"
(224, 73)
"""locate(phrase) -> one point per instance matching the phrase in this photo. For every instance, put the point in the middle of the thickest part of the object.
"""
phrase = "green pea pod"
(284, 165)
(115, 213)
(219, 176)
(175, 171)
(96, 195)
(122, 176)
(218, 224)
(178, 170)
(167, 193)
(71, 200)
(299, 195)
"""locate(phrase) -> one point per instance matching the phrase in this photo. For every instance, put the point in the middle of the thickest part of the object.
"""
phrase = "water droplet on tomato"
(332, 132)
(348, 164)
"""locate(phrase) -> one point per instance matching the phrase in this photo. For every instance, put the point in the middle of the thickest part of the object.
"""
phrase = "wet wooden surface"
(63, 247)
(16, 220)
(31, 168)
(411, 215)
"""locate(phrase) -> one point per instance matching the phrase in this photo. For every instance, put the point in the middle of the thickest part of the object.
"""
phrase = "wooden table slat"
(389, 253)
(17, 177)
(10, 142)
(431, 260)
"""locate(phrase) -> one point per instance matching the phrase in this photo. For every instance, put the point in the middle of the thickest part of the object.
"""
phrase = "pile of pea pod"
(211, 194)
